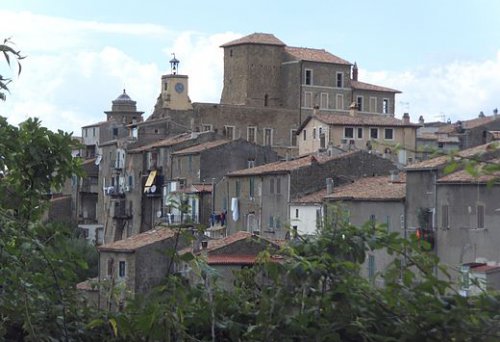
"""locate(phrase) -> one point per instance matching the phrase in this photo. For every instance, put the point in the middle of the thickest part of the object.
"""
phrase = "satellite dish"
(98, 159)
(158, 213)
(153, 188)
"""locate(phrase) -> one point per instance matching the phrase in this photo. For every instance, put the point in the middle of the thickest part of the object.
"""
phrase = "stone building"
(257, 199)
(204, 163)
(371, 200)
(135, 265)
(385, 135)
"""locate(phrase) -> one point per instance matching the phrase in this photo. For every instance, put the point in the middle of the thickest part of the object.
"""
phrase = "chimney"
(329, 186)
(406, 118)
(421, 120)
(394, 176)
(353, 108)
(355, 72)
(495, 112)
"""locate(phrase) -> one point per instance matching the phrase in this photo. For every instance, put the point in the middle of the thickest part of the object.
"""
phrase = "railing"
(179, 219)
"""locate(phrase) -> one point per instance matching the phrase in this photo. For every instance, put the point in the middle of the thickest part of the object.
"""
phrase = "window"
(373, 104)
(371, 266)
(445, 224)
(323, 104)
(348, 132)
(250, 163)
(207, 128)
(110, 266)
(480, 216)
(121, 269)
(314, 133)
(278, 185)
(340, 101)
(271, 222)
(115, 132)
(86, 132)
(359, 103)
(93, 132)
(252, 134)
(308, 99)
(131, 181)
(266, 99)
(190, 163)
(340, 80)
(385, 106)
(304, 135)
(268, 136)
(309, 77)
(251, 182)
(372, 221)
(322, 140)
(237, 189)
(296, 213)
(293, 137)
(271, 186)
(388, 134)
(360, 133)
(229, 132)
(373, 133)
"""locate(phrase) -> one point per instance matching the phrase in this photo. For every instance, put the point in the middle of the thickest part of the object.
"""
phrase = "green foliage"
(8, 52)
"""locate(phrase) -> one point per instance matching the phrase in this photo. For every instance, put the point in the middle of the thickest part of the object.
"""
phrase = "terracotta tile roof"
(495, 135)
(202, 187)
(485, 268)
(170, 141)
(362, 120)
(427, 136)
(440, 161)
(237, 259)
(228, 240)
(315, 55)
(95, 124)
(287, 166)
(371, 189)
(315, 197)
(88, 285)
(135, 242)
(371, 87)
(468, 124)
(256, 38)
(464, 177)
(201, 147)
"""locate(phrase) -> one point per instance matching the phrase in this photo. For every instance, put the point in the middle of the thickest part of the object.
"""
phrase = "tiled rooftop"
(256, 38)
(362, 120)
(315, 55)
(468, 124)
(442, 160)
(202, 187)
(371, 189)
(201, 147)
(170, 141)
(315, 197)
(372, 87)
(464, 177)
(286, 166)
(135, 242)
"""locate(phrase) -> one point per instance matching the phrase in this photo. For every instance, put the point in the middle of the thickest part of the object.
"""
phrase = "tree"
(8, 53)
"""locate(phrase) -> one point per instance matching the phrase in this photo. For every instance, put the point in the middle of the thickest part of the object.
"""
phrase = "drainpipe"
(300, 92)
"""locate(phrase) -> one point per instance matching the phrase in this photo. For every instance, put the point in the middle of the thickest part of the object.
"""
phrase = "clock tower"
(174, 88)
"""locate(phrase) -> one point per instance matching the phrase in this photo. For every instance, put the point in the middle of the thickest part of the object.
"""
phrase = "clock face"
(179, 87)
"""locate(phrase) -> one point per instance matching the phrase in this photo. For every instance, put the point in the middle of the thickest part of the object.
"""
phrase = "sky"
(443, 55)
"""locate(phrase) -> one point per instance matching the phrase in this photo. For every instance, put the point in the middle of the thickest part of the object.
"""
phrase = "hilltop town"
(295, 134)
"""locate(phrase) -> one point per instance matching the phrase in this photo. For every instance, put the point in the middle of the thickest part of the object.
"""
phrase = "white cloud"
(459, 90)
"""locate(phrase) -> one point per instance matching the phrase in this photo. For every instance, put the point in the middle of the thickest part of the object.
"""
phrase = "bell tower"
(174, 88)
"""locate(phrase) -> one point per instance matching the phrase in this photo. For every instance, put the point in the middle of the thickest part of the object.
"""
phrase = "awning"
(150, 180)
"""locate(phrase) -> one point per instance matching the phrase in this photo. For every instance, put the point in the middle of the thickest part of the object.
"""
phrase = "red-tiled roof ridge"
(315, 55)
(132, 243)
(467, 124)
(464, 177)
(372, 87)
(255, 38)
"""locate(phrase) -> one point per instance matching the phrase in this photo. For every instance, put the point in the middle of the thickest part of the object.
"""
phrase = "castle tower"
(252, 71)
(124, 110)
(174, 89)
